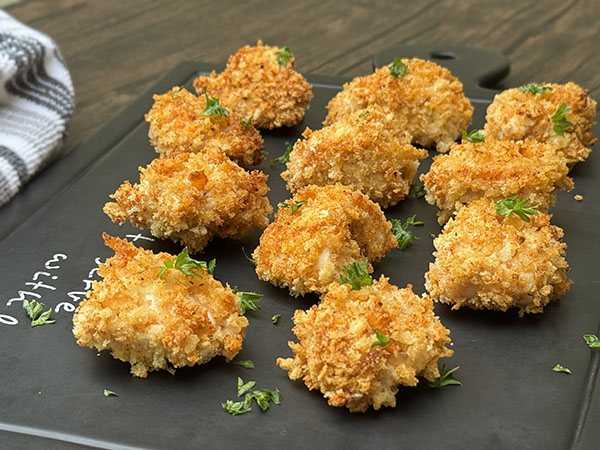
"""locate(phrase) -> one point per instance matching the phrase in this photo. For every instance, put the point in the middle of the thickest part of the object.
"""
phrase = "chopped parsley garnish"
(246, 364)
(592, 340)
(35, 311)
(284, 56)
(382, 339)
(514, 205)
(108, 393)
(446, 377)
(473, 136)
(248, 300)
(416, 191)
(356, 274)
(292, 205)
(185, 264)
(252, 260)
(535, 88)
(403, 235)
(176, 91)
(563, 369)
(275, 319)
(559, 119)
(248, 122)
(213, 107)
(263, 398)
(363, 114)
(398, 68)
(285, 158)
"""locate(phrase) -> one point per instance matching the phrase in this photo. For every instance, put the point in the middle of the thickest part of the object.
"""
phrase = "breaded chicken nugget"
(260, 84)
(495, 169)
(428, 98)
(320, 231)
(179, 123)
(486, 261)
(335, 352)
(157, 322)
(527, 112)
(193, 197)
(368, 151)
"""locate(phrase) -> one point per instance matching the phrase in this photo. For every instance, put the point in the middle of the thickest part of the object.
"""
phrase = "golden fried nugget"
(495, 169)
(323, 229)
(335, 352)
(258, 88)
(428, 98)
(157, 322)
(486, 261)
(368, 151)
(519, 115)
(193, 197)
(178, 125)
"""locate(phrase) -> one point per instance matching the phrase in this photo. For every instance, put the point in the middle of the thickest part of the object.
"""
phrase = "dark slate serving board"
(51, 390)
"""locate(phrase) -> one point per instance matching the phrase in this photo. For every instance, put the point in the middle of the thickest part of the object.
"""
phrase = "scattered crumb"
(578, 198)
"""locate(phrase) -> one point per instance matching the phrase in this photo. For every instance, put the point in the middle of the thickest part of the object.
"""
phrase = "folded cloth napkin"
(36, 103)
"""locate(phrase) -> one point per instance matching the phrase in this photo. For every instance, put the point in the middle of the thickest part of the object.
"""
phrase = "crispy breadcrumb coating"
(177, 125)
(428, 98)
(305, 250)
(334, 352)
(193, 197)
(485, 261)
(157, 323)
(519, 115)
(368, 151)
(495, 169)
(255, 86)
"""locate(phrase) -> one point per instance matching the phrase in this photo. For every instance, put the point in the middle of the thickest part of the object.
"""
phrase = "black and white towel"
(36, 103)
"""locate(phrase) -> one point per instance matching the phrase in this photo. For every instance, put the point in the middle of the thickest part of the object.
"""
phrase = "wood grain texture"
(116, 49)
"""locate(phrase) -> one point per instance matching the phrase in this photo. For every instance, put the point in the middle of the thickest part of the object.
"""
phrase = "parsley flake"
(285, 158)
(559, 119)
(356, 274)
(252, 260)
(382, 339)
(563, 369)
(185, 264)
(263, 398)
(35, 311)
(248, 300)
(293, 206)
(176, 91)
(108, 393)
(363, 114)
(416, 191)
(284, 56)
(213, 107)
(592, 340)
(514, 205)
(403, 235)
(535, 88)
(445, 378)
(238, 408)
(398, 68)
(248, 122)
(275, 319)
(473, 136)
(246, 364)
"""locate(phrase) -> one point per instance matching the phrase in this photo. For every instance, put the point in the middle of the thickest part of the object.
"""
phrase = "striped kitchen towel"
(36, 103)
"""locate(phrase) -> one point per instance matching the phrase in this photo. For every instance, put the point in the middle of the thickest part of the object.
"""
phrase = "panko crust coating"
(368, 151)
(495, 169)
(428, 98)
(157, 323)
(193, 197)
(334, 352)
(178, 125)
(518, 115)
(305, 250)
(256, 87)
(485, 261)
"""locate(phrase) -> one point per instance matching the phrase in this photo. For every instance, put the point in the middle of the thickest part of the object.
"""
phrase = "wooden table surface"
(116, 49)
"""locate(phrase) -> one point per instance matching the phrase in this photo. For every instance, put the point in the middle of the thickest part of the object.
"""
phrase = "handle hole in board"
(443, 54)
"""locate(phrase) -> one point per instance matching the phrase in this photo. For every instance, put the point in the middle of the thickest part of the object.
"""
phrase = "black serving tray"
(51, 390)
